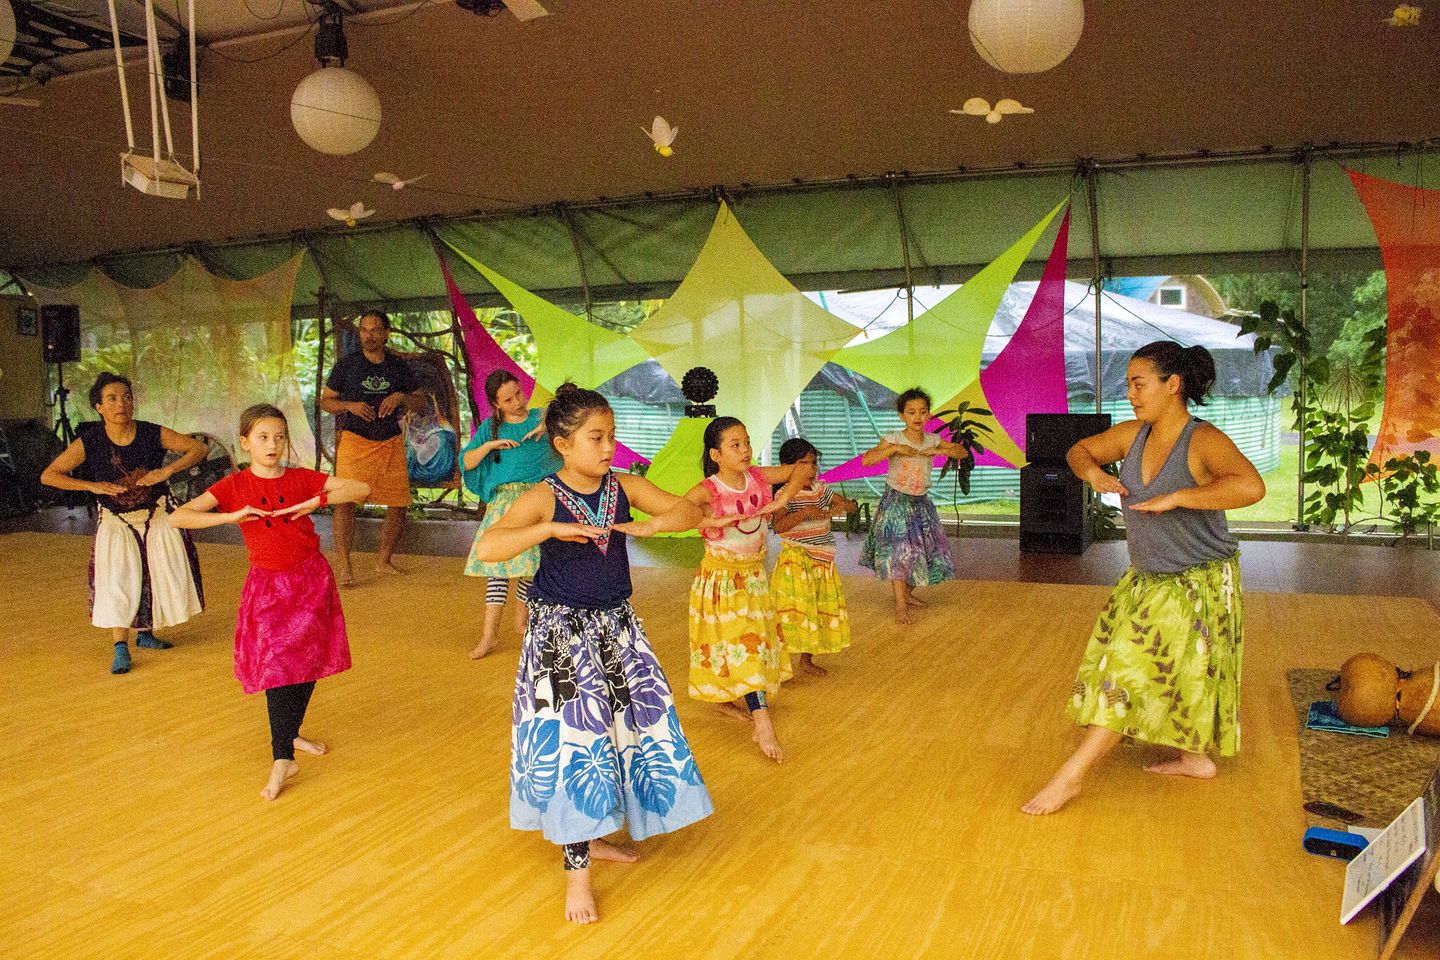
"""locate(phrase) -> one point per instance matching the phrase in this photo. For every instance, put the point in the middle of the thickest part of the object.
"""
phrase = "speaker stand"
(64, 429)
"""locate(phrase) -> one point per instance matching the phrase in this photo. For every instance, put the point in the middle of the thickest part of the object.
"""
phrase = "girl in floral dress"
(1163, 662)
(506, 457)
(906, 543)
(596, 743)
(736, 657)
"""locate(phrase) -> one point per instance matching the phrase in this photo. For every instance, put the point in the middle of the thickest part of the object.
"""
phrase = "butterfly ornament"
(980, 107)
(352, 216)
(662, 135)
(1405, 15)
(394, 180)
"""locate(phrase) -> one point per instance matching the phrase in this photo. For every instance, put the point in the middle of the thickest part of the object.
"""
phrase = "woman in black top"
(144, 574)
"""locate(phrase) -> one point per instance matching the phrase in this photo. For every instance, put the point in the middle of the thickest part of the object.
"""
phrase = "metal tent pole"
(1300, 393)
(1092, 173)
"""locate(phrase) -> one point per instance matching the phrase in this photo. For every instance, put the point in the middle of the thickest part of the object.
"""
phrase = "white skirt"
(144, 573)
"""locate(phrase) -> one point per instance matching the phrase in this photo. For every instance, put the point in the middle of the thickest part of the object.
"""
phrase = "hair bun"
(566, 388)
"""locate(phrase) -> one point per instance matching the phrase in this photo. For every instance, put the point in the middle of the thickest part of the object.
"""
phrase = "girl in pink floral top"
(736, 655)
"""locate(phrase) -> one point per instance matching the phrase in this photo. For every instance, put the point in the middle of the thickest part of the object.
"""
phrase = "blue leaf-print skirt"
(596, 743)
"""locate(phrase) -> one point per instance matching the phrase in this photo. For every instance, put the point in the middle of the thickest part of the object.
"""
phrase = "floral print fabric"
(524, 563)
(810, 610)
(596, 743)
(906, 541)
(734, 646)
(1163, 663)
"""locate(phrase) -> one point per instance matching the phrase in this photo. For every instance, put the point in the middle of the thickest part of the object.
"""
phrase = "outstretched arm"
(199, 514)
(1089, 456)
(1228, 480)
(526, 524)
(191, 452)
(57, 474)
(668, 513)
(879, 453)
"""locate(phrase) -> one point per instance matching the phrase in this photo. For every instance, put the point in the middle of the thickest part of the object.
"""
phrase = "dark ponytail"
(493, 382)
(570, 408)
(714, 430)
(1193, 365)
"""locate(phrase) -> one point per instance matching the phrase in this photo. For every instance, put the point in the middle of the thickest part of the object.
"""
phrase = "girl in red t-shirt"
(290, 630)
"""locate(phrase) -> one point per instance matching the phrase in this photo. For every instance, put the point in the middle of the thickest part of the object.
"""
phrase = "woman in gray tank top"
(1163, 662)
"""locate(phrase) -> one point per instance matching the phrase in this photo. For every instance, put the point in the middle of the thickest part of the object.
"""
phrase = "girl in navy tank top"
(596, 743)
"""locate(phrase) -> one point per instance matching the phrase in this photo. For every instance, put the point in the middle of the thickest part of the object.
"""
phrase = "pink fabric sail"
(1027, 376)
(486, 355)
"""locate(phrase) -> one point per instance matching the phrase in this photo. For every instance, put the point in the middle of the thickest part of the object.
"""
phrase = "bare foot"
(347, 574)
(808, 665)
(733, 710)
(915, 601)
(482, 648)
(1061, 789)
(764, 735)
(902, 613)
(579, 898)
(1184, 764)
(280, 773)
(389, 567)
(605, 850)
(311, 746)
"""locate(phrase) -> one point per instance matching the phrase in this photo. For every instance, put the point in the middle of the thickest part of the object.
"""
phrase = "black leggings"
(287, 711)
(577, 855)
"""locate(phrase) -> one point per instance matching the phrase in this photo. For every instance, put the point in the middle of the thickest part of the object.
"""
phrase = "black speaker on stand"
(1054, 503)
(60, 344)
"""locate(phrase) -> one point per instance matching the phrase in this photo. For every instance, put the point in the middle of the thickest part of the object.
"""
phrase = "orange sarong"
(379, 463)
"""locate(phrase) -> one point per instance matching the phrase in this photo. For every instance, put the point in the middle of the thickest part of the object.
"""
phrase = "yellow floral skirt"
(809, 603)
(734, 646)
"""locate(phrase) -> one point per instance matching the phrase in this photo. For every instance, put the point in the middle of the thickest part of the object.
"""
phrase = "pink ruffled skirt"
(290, 627)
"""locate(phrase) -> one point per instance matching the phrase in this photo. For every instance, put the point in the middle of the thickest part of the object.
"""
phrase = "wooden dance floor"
(134, 825)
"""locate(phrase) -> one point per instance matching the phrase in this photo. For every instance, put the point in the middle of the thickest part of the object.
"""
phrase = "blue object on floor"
(149, 641)
(121, 663)
(1324, 715)
(1339, 844)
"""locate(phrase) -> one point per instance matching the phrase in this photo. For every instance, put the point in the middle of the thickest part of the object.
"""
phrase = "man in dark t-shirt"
(368, 391)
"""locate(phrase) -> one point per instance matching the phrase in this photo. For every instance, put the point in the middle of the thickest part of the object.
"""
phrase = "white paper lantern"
(7, 30)
(1025, 36)
(335, 111)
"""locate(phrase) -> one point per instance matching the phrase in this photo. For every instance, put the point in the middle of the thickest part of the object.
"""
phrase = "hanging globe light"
(1025, 36)
(335, 111)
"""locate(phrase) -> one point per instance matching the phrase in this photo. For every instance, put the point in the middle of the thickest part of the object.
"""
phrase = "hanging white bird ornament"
(662, 135)
(394, 180)
(352, 216)
(980, 107)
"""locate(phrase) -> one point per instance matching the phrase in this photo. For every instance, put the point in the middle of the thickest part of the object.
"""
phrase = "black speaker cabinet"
(1049, 436)
(1053, 507)
(60, 332)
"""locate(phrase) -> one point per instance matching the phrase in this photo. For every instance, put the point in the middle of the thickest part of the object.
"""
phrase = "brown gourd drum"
(1374, 693)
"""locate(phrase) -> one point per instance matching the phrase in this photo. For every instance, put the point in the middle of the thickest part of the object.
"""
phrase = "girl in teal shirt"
(508, 455)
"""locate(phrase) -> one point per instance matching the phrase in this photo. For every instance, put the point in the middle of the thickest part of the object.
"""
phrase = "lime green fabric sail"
(736, 314)
(567, 347)
(940, 349)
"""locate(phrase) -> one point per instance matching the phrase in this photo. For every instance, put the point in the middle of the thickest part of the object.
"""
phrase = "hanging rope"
(904, 249)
